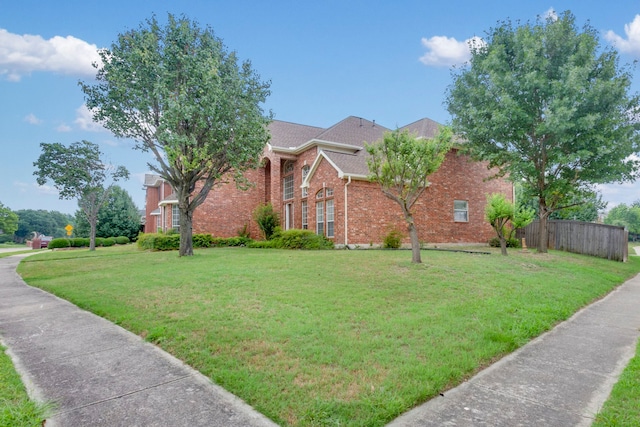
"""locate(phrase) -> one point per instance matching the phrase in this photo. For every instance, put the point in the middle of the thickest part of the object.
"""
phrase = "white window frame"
(175, 217)
(320, 218)
(330, 217)
(305, 215)
(305, 173)
(460, 211)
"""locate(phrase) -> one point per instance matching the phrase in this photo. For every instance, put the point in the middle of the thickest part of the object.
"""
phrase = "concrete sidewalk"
(560, 379)
(98, 374)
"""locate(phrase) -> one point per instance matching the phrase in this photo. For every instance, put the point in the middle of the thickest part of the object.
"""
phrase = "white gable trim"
(333, 146)
(341, 174)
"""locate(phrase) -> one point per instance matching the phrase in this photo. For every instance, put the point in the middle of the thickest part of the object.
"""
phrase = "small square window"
(460, 211)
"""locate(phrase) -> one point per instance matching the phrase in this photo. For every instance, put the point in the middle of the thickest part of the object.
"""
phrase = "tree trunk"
(543, 237)
(415, 243)
(186, 228)
(503, 245)
(92, 234)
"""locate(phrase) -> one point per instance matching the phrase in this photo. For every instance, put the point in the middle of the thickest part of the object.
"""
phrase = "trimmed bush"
(80, 242)
(122, 240)
(59, 243)
(99, 241)
(298, 239)
(109, 241)
(494, 242)
(202, 240)
(392, 240)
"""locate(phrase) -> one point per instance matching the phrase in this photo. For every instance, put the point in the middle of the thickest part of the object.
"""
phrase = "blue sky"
(384, 61)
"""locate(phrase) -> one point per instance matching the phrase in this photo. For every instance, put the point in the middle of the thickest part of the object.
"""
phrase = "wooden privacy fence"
(600, 240)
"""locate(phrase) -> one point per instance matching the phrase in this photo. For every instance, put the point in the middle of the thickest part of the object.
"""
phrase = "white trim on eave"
(341, 173)
(334, 146)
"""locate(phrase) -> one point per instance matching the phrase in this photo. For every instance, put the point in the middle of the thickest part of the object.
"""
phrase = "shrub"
(202, 240)
(244, 231)
(4, 238)
(494, 242)
(166, 242)
(219, 242)
(392, 240)
(122, 240)
(267, 219)
(263, 244)
(301, 239)
(109, 241)
(59, 243)
(99, 241)
(80, 242)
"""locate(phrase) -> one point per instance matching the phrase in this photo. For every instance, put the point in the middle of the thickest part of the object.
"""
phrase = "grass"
(16, 409)
(622, 408)
(330, 337)
(26, 251)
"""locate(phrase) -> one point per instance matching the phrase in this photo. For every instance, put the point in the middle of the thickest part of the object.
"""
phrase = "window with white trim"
(325, 212)
(320, 218)
(305, 172)
(287, 181)
(175, 217)
(305, 215)
(330, 218)
(460, 211)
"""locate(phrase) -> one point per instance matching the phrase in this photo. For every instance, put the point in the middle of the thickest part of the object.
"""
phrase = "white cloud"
(550, 13)
(631, 44)
(34, 188)
(63, 128)
(22, 54)
(32, 119)
(447, 51)
(84, 119)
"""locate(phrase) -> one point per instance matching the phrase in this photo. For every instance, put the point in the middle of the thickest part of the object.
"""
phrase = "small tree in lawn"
(78, 172)
(181, 95)
(401, 164)
(499, 212)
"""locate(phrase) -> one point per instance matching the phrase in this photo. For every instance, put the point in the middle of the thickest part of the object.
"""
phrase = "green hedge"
(494, 242)
(122, 240)
(294, 239)
(59, 243)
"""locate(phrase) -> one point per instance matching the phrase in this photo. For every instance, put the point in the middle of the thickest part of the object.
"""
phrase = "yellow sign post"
(69, 229)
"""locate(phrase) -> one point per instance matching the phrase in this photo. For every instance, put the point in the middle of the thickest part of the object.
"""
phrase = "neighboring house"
(317, 179)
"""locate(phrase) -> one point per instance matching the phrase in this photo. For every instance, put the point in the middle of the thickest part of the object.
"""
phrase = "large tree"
(401, 163)
(8, 220)
(180, 94)
(625, 216)
(117, 217)
(547, 106)
(78, 172)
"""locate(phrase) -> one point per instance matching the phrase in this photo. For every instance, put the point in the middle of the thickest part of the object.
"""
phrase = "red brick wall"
(227, 209)
(153, 196)
(372, 215)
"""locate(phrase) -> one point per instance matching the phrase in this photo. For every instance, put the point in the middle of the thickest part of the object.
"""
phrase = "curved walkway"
(101, 375)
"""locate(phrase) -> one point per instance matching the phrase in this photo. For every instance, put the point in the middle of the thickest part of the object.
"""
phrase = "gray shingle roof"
(353, 131)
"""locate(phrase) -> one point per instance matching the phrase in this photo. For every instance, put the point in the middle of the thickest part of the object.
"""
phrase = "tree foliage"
(180, 94)
(401, 163)
(505, 218)
(49, 223)
(625, 216)
(117, 217)
(78, 172)
(546, 106)
(8, 220)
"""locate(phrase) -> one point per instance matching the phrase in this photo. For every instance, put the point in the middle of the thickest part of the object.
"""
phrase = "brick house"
(317, 179)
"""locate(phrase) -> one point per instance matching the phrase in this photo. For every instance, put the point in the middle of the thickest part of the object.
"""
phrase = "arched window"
(325, 212)
(305, 173)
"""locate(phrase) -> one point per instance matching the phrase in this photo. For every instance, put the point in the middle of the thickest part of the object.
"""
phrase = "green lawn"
(314, 338)
(16, 409)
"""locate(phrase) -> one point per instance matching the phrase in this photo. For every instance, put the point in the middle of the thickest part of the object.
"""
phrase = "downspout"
(346, 210)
